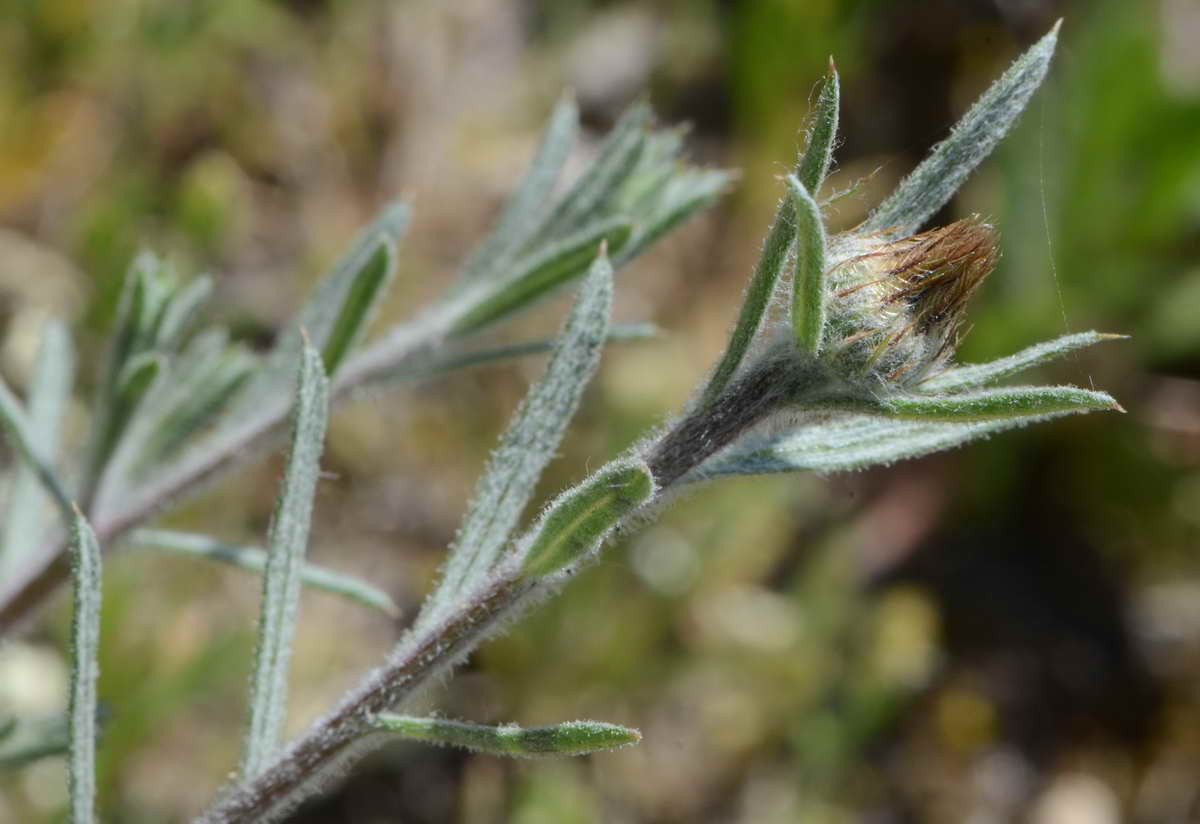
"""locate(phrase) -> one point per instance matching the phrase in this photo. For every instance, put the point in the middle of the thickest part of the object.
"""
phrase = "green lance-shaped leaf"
(811, 170)
(142, 298)
(334, 318)
(570, 738)
(757, 299)
(532, 201)
(85, 644)
(540, 273)
(938, 177)
(211, 392)
(281, 583)
(818, 155)
(971, 376)
(23, 434)
(587, 198)
(49, 396)
(362, 297)
(681, 194)
(180, 314)
(808, 283)
(621, 333)
(340, 310)
(1005, 402)
(32, 738)
(852, 442)
(254, 559)
(578, 520)
(528, 444)
(135, 382)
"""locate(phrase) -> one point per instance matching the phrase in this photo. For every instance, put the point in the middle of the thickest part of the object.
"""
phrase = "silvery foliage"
(858, 373)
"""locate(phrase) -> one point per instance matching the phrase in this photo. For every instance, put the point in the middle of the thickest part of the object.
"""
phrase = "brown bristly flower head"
(896, 306)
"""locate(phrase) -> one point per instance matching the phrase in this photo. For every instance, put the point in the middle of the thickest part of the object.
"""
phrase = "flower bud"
(895, 307)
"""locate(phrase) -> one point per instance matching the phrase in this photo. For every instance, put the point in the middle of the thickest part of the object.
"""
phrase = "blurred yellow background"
(1008, 631)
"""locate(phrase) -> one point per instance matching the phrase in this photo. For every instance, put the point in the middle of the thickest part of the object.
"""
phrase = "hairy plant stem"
(332, 743)
(774, 381)
(44, 571)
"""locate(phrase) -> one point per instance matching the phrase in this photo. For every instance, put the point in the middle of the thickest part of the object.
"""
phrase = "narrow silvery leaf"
(818, 155)
(209, 395)
(852, 442)
(578, 521)
(281, 584)
(254, 559)
(533, 198)
(127, 341)
(537, 275)
(621, 333)
(85, 646)
(808, 283)
(31, 739)
(938, 177)
(680, 196)
(618, 157)
(757, 299)
(986, 404)
(22, 432)
(49, 395)
(528, 444)
(345, 300)
(971, 376)
(182, 311)
(201, 381)
(570, 738)
(135, 381)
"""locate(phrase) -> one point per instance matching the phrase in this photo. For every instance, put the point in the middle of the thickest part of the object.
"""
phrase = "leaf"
(254, 559)
(617, 159)
(935, 181)
(818, 155)
(362, 298)
(288, 540)
(758, 296)
(970, 376)
(85, 646)
(23, 434)
(681, 195)
(181, 313)
(136, 380)
(849, 442)
(986, 404)
(578, 521)
(621, 333)
(539, 274)
(808, 283)
(533, 198)
(31, 739)
(528, 444)
(335, 316)
(49, 397)
(570, 738)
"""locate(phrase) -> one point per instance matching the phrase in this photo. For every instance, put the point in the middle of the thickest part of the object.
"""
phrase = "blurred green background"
(1006, 632)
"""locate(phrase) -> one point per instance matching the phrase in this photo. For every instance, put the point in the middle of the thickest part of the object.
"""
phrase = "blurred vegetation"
(1005, 632)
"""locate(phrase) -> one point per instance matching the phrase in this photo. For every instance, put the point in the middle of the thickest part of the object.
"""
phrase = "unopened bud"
(896, 306)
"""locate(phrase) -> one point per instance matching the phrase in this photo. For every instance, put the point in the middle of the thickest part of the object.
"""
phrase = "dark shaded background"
(1009, 631)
